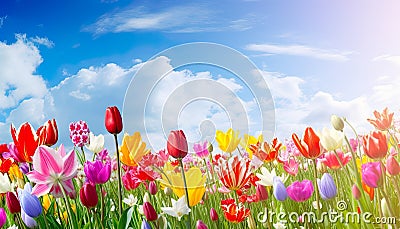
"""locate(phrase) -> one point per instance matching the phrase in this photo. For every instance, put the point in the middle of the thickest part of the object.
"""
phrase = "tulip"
(261, 192)
(228, 141)
(280, 191)
(79, 133)
(331, 139)
(113, 120)
(145, 225)
(29, 221)
(97, 172)
(177, 145)
(3, 217)
(375, 145)
(168, 191)
(201, 149)
(383, 120)
(133, 149)
(12, 203)
(149, 211)
(300, 191)
(234, 213)
(48, 133)
(327, 187)
(356, 192)
(210, 147)
(153, 188)
(213, 214)
(372, 174)
(29, 203)
(330, 159)
(392, 166)
(337, 122)
(96, 143)
(201, 225)
(5, 184)
(88, 195)
(309, 146)
(25, 140)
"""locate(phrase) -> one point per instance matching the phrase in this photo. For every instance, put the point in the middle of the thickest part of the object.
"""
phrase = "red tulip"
(177, 145)
(88, 195)
(213, 214)
(261, 192)
(392, 166)
(375, 145)
(26, 141)
(48, 133)
(12, 203)
(149, 212)
(113, 120)
(310, 145)
(152, 188)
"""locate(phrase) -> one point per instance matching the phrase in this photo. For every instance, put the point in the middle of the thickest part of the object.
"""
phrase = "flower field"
(320, 179)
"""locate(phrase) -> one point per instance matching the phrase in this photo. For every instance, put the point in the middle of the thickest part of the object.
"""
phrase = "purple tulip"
(30, 204)
(97, 172)
(300, 191)
(29, 221)
(327, 187)
(280, 192)
(371, 174)
(201, 149)
(145, 225)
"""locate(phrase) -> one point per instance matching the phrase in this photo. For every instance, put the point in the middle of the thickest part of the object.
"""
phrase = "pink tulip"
(392, 166)
(356, 192)
(48, 164)
(291, 166)
(371, 174)
(300, 191)
(331, 160)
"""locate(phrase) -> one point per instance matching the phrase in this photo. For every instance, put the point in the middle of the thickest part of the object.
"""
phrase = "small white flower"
(131, 200)
(314, 204)
(179, 208)
(279, 225)
(96, 143)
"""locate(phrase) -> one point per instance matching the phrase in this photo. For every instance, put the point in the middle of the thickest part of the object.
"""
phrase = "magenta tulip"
(372, 174)
(300, 191)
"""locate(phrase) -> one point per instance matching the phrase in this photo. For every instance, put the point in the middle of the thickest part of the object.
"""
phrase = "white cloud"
(42, 41)
(300, 50)
(390, 58)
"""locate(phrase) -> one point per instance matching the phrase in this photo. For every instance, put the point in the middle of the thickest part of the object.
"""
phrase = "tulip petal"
(41, 189)
(70, 165)
(47, 161)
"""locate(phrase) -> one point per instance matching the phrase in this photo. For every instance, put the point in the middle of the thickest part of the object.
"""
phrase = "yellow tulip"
(195, 182)
(228, 141)
(16, 175)
(133, 149)
(250, 140)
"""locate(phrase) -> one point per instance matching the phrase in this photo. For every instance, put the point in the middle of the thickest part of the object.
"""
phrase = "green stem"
(119, 177)
(316, 186)
(68, 205)
(101, 206)
(188, 223)
(83, 154)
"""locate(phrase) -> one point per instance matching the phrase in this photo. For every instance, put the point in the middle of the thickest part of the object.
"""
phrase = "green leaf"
(125, 219)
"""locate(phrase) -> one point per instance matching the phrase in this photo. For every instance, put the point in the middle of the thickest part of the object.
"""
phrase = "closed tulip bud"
(251, 223)
(280, 191)
(321, 167)
(167, 191)
(145, 225)
(177, 145)
(201, 225)
(356, 192)
(153, 188)
(149, 212)
(48, 133)
(327, 187)
(261, 192)
(213, 214)
(29, 221)
(375, 145)
(12, 203)
(3, 217)
(113, 120)
(392, 166)
(210, 147)
(88, 195)
(337, 122)
(30, 203)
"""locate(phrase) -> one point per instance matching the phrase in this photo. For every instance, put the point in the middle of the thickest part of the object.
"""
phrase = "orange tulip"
(265, 151)
(310, 145)
(383, 120)
(26, 141)
(375, 145)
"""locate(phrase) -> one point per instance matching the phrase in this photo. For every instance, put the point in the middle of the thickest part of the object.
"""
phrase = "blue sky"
(71, 59)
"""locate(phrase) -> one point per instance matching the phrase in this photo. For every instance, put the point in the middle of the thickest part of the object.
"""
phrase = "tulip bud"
(145, 225)
(392, 166)
(177, 145)
(153, 188)
(321, 167)
(12, 203)
(356, 192)
(261, 192)
(48, 133)
(3, 217)
(30, 204)
(201, 225)
(251, 223)
(280, 191)
(167, 191)
(88, 195)
(210, 147)
(113, 120)
(327, 187)
(213, 214)
(337, 122)
(149, 212)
